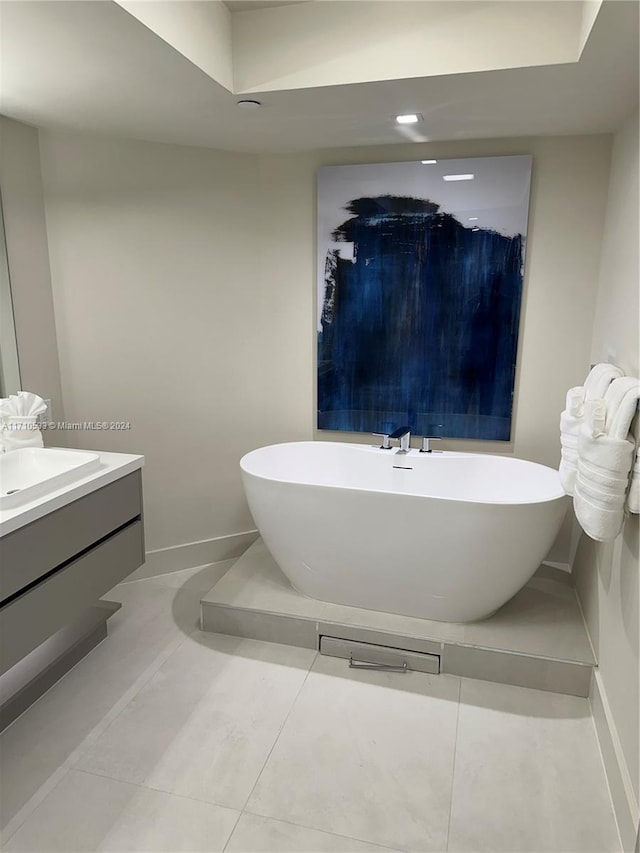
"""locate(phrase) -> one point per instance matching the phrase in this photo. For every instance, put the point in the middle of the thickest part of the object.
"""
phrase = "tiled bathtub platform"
(536, 640)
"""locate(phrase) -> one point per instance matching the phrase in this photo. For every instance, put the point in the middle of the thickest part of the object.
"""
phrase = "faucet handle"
(425, 444)
(386, 443)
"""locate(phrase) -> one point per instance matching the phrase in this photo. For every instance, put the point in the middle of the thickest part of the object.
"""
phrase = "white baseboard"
(192, 554)
(624, 799)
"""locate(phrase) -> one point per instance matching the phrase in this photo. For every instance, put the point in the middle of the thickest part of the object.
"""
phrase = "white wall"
(615, 329)
(185, 295)
(164, 320)
(607, 574)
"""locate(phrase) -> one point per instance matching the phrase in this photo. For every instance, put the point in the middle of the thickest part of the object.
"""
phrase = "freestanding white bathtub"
(446, 536)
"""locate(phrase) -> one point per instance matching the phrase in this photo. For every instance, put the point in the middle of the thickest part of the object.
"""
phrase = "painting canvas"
(420, 273)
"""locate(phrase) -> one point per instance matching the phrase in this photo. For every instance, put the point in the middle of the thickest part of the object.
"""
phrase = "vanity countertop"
(112, 467)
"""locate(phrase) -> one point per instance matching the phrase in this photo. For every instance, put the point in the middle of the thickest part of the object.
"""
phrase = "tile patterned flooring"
(166, 738)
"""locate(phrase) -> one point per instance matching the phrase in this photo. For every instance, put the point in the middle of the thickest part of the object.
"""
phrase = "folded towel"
(575, 401)
(599, 378)
(569, 461)
(18, 421)
(595, 416)
(601, 483)
(614, 396)
(619, 419)
(627, 397)
(633, 496)
(595, 386)
(599, 522)
(24, 404)
(601, 487)
(570, 421)
(20, 432)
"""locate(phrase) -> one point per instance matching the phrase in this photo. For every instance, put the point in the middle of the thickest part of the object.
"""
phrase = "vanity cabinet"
(54, 570)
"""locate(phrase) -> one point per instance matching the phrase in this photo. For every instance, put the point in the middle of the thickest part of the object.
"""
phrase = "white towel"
(595, 386)
(595, 417)
(605, 456)
(24, 404)
(570, 421)
(601, 483)
(621, 421)
(620, 406)
(633, 497)
(20, 432)
(19, 421)
(599, 379)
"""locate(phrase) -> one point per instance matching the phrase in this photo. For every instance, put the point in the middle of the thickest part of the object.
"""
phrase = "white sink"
(31, 472)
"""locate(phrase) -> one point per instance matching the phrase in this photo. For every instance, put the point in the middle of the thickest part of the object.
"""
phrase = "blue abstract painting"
(420, 274)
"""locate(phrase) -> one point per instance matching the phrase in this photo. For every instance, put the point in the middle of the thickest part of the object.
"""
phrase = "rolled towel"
(614, 397)
(595, 386)
(600, 378)
(601, 483)
(570, 421)
(569, 461)
(595, 417)
(619, 419)
(575, 401)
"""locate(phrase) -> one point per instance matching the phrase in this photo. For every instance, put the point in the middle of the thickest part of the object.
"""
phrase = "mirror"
(9, 367)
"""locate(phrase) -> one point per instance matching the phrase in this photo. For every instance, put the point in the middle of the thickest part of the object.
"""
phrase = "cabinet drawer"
(32, 617)
(35, 549)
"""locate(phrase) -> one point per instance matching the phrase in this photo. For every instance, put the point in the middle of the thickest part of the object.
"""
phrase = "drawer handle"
(382, 667)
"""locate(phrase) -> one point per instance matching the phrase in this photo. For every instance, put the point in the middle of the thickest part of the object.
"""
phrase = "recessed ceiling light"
(475, 228)
(458, 177)
(409, 118)
(428, 162)
(473, 219)
(247, 104)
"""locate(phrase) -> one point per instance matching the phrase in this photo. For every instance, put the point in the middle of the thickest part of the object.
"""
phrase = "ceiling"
(96, 67)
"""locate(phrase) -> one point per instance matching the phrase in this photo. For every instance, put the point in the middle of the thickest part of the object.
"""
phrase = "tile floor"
(166, 738)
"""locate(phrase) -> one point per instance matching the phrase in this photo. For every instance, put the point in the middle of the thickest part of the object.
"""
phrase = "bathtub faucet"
(403, 434)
